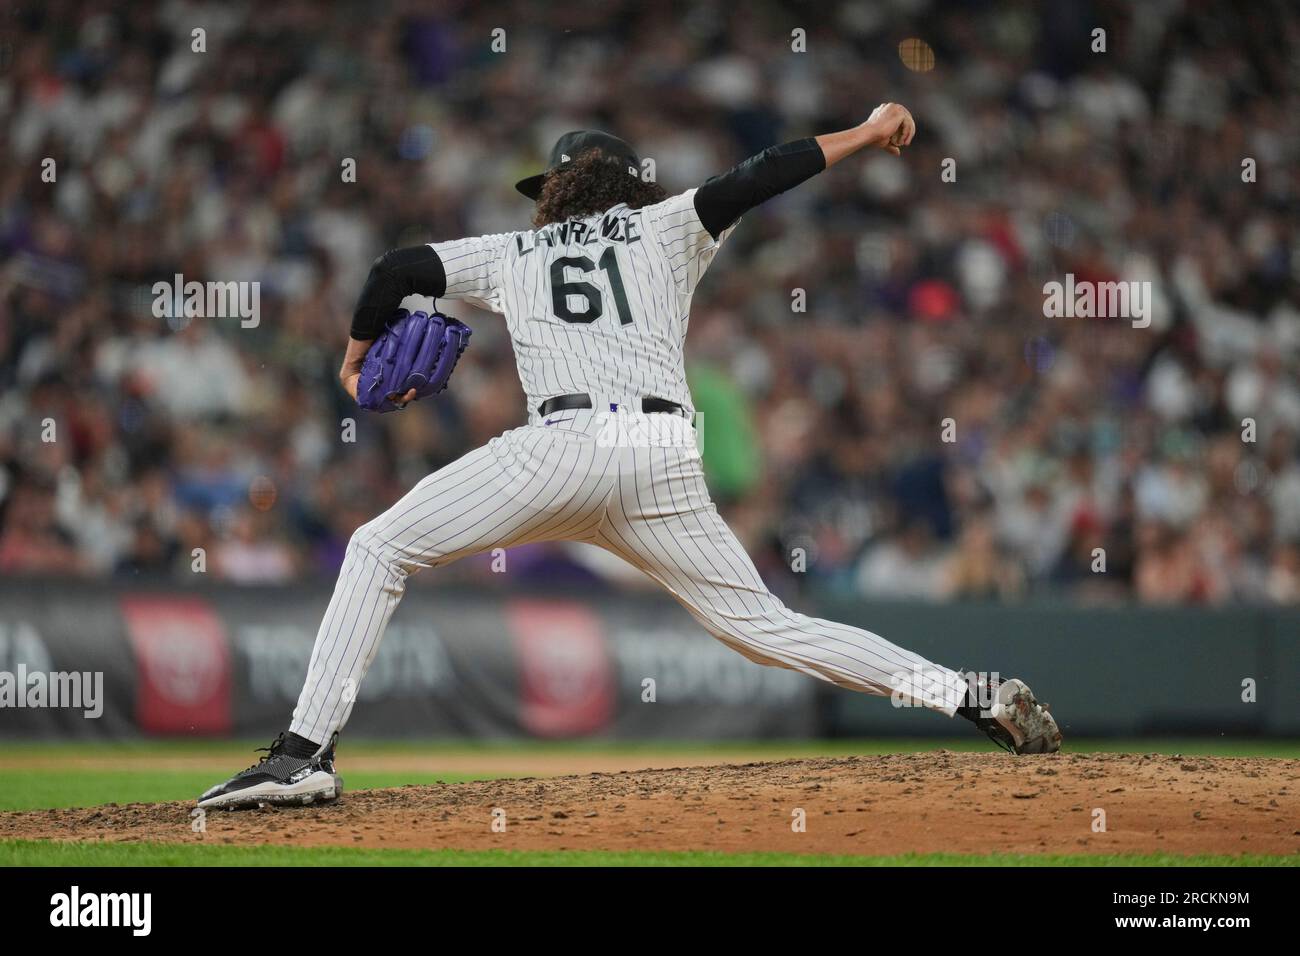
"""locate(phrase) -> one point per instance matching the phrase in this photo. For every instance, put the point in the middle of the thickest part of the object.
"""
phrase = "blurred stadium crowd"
(834, 335)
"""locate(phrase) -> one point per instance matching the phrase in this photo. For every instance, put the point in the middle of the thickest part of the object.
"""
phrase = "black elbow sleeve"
(724, 199)
(417, 270)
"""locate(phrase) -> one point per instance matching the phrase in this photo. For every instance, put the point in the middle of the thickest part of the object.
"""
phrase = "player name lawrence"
(624, 228)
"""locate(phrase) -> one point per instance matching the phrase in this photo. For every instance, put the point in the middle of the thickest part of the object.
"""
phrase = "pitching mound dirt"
(925, 802)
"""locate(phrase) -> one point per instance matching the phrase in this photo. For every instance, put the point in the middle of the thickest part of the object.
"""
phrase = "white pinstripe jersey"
(597, 305)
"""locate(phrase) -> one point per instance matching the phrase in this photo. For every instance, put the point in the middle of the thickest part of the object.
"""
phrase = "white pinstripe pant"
(579, 481)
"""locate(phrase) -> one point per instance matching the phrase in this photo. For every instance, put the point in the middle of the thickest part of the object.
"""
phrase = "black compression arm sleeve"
(395, 275)
(724, 199)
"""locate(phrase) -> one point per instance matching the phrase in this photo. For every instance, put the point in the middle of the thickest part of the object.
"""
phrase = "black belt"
(562, 403)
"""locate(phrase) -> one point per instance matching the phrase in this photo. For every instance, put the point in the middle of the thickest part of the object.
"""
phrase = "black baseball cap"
(570, 145)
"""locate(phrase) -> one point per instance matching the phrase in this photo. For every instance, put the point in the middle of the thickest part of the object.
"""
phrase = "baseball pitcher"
(597, 300)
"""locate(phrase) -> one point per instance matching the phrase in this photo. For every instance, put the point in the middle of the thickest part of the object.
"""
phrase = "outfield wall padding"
(219, 661)
(1125, 671)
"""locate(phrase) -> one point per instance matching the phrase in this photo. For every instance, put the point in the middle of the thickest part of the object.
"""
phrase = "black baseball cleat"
(280, 779)
(1015, 720)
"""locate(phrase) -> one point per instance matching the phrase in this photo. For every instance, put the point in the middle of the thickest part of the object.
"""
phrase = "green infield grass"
(44, 853)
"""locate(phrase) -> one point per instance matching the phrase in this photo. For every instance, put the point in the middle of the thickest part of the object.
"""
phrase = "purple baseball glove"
(416, 351)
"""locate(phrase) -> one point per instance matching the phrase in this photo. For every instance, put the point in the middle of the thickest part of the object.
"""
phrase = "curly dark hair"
(589, 184)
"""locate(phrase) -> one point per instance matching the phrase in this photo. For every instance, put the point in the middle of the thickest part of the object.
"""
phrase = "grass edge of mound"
(56, 853)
